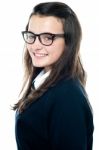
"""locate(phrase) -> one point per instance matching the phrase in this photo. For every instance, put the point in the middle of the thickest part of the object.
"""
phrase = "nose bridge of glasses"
(37, 38)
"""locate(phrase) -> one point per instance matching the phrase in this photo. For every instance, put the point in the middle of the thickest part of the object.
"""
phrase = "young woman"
(53, 112)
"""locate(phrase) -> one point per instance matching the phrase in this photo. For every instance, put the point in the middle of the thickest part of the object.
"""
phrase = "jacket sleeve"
(68, 128)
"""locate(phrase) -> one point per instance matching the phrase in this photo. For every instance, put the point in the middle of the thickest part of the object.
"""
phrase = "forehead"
(39, 24)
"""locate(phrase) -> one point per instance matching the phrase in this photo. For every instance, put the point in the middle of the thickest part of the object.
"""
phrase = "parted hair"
(69, 65)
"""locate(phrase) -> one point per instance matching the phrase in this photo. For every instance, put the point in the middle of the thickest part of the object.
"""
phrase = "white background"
(13, 18)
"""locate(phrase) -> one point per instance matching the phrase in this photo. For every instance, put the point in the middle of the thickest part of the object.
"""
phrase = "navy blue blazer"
(61, 119)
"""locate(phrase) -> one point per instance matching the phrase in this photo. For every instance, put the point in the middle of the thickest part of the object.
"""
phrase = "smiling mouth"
(39, 54)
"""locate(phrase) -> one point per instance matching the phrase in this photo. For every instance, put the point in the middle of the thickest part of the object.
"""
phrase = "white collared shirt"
(41, 77)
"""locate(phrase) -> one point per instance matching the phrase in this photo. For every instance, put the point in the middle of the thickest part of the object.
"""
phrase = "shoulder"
(70, 88)
(69, 95)
(69, 98)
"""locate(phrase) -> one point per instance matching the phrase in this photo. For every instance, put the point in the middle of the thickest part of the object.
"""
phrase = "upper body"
(61, 119)
(56, 115)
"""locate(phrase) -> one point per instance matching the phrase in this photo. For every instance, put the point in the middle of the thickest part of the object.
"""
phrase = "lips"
(40, 54)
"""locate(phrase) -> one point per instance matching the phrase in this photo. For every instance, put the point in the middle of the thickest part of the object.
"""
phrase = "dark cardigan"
(61, 119)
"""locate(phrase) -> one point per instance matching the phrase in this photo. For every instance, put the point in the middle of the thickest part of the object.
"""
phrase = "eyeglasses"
(44, 38)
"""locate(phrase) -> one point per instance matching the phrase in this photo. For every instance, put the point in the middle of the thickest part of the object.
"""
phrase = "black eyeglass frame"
(54, 36)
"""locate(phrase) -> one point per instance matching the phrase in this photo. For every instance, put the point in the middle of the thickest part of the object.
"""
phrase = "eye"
(30, 36)
(47, 37)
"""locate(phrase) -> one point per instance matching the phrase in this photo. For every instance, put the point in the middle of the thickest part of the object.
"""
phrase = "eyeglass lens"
(44, 38)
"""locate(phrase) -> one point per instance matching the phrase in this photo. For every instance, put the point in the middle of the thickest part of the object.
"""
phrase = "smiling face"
(41, 55)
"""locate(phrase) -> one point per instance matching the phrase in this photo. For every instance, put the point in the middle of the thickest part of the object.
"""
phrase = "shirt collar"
(41, 77)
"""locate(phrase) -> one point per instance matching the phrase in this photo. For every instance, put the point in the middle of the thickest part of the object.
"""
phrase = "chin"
(38, 66)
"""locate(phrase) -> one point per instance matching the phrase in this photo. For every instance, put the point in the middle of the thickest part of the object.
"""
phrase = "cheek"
(56, 51)
(28, 47)
(57, 55)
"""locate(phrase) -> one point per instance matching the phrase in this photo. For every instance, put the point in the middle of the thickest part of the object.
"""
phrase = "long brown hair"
(69, 64)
